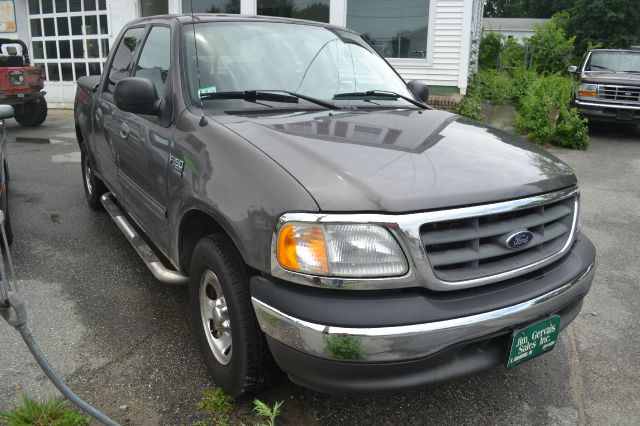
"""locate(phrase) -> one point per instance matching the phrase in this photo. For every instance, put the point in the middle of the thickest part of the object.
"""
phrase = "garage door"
(70, 39)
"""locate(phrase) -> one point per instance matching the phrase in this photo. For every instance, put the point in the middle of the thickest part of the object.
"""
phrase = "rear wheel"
(4, 206)
(31, 114)
(232, 345)
(93, 187)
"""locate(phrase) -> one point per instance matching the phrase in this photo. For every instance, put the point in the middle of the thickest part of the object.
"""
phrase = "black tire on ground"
(4, 206)
(31, 114)
(93, 187)
(218, 273)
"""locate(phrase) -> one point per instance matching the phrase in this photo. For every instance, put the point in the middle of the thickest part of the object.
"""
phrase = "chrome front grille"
(624, 94)
(474, 247)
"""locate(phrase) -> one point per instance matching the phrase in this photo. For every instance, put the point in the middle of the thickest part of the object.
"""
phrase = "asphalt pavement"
(120, 338)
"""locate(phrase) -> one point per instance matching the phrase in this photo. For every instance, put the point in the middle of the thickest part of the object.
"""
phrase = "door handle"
(98, 114)
(124, 131)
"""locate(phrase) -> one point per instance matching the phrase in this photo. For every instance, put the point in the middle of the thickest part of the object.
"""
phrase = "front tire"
(93, 187)
(230, 341)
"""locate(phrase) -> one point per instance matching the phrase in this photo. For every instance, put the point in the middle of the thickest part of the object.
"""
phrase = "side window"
(123, 57)
(155, 59)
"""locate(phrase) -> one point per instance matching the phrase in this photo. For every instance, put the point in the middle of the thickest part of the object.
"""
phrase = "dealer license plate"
(536, 339)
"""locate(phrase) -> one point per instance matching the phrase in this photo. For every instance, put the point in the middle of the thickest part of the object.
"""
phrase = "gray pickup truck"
(323, 216)
(609, 85)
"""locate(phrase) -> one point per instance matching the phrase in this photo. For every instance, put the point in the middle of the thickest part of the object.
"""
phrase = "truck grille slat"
(471, 248)
(623, 94)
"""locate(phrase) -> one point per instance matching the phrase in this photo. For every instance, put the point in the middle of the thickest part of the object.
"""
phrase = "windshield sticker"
(207, 90)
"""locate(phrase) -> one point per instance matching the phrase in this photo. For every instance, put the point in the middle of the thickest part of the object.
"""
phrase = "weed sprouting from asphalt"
(52, 412)
(218, 405)
(269, 413)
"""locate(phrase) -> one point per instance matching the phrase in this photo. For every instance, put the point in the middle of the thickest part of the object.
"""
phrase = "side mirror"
(572, 69)
(137, 95)
(6, 111)
(419, 89)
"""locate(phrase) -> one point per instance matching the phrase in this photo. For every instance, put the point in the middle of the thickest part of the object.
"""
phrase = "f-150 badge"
(176, 164)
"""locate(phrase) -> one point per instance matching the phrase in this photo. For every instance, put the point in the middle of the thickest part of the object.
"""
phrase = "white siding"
(449, 58)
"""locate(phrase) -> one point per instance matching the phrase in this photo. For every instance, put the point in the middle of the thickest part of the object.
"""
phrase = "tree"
(525, 8)
(609, 23)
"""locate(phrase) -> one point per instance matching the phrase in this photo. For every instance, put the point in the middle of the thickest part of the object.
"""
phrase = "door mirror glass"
(419, 89)
(6, 111)
(572, 69)
(137, 95)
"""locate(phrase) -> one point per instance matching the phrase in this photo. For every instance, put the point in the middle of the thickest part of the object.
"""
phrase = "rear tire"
(233, 347)
(4, 206)
(31, 114)
(93, 187)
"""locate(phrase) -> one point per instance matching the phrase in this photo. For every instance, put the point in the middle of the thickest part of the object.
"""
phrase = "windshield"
(614, 62)
(308, 60)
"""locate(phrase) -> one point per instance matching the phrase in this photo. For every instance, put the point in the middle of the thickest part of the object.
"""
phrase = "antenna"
(203, 120)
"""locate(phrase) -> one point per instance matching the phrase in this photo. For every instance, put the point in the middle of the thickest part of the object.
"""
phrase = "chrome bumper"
(414, 341)
(580, 103)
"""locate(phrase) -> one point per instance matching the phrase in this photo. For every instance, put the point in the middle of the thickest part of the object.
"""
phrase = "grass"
(52, 412)
(219, 406)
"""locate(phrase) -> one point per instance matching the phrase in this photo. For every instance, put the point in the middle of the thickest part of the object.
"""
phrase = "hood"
(612, 77)
(401, 160)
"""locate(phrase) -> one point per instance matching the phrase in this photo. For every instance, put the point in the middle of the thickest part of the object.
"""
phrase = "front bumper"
(609, 112)
(343, 358)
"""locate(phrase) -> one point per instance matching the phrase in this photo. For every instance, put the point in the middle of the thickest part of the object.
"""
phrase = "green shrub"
(571, 130)
(522, 79)
(534, 118)
(492, 86)
(512, 54)
(551, 49)
(490, 48)
(470, 107)
(53, 412)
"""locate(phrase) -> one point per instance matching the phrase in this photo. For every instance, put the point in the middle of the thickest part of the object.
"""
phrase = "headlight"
(340, 250)
(587, 90)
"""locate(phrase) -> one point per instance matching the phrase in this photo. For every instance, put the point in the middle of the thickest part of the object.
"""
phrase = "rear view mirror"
(419, 89)
(572, 69)
(137, 95)
(6, 111)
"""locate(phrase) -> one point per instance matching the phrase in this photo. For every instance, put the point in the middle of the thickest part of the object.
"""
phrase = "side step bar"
(142, 248)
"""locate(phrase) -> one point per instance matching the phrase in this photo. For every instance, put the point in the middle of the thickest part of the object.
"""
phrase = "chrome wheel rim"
(87, 175)
(215, 317)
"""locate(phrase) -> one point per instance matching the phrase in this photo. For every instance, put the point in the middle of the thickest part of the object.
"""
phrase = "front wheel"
(227, 333)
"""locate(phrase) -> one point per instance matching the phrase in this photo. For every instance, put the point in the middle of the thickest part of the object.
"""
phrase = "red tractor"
(21, 84)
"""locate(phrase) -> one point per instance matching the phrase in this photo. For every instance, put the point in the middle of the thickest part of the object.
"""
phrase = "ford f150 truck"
(609, 87)
(321, 213)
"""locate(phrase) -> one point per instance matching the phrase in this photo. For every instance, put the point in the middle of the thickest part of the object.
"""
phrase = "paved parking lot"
(121, 338)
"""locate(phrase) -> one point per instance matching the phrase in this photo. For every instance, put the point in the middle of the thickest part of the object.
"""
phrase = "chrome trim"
(578, 102)
(410, 341)
(154, 264)
(406, 229)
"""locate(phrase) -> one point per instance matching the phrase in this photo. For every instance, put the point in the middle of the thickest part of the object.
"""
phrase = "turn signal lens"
(588, 90)
(301, 248)
(340, 250)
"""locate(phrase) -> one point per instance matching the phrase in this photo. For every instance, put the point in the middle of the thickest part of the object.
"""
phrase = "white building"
(431, 40)
(517, 28)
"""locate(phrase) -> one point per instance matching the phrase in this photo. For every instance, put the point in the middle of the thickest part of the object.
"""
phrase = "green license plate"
(536, 339)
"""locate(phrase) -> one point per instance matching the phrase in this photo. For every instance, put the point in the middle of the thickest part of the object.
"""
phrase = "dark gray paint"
(245, 171)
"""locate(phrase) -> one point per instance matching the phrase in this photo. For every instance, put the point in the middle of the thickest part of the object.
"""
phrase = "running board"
(139, 244)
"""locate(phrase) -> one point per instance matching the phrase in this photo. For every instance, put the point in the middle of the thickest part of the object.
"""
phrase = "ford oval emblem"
(518, 239)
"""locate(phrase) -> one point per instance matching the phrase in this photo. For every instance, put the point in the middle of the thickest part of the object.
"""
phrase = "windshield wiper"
(379, 93)
(632, 71)
(602, 68)
(267, 95)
